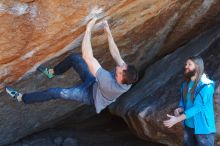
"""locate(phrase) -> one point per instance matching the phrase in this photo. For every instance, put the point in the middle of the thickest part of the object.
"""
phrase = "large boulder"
(35, 32)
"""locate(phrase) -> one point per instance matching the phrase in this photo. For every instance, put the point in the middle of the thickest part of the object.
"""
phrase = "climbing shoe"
(45, 71)
(13, 93)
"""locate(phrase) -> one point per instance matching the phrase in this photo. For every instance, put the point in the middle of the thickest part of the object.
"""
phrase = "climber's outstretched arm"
(112, 46)
(87, 52)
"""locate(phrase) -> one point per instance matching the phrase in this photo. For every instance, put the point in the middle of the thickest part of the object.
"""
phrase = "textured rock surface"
(100, 130)
(36, 31)
(41, 30)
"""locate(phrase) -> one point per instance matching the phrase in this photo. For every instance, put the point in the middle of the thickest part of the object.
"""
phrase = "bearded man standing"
(196, 106)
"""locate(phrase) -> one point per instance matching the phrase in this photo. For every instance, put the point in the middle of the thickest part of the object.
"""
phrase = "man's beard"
(190, 74)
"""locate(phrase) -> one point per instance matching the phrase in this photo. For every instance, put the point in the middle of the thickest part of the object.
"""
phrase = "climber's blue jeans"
(191, 139)
(81, 93)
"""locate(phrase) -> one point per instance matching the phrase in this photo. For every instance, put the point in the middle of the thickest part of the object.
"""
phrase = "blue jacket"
(203, 107)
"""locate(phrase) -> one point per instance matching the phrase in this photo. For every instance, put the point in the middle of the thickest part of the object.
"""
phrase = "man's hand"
(91, 24)
(178, 111)
(97, 12)
(106, 27)
(172, 121)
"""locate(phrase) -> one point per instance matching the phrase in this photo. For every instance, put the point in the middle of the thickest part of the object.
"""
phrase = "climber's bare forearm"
(113, 47)
(87, 52)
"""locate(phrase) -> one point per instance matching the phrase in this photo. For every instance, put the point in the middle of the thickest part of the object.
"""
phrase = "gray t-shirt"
(106, 89)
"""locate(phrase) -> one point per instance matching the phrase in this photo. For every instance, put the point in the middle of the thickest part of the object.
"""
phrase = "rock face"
(41, 30)
(34, 32)
(100, 130)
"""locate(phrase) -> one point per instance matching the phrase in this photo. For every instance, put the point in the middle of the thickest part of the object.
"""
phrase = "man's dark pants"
(81, 93)
(191, 139)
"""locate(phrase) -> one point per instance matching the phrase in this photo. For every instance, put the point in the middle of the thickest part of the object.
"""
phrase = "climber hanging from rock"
(99, 87)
